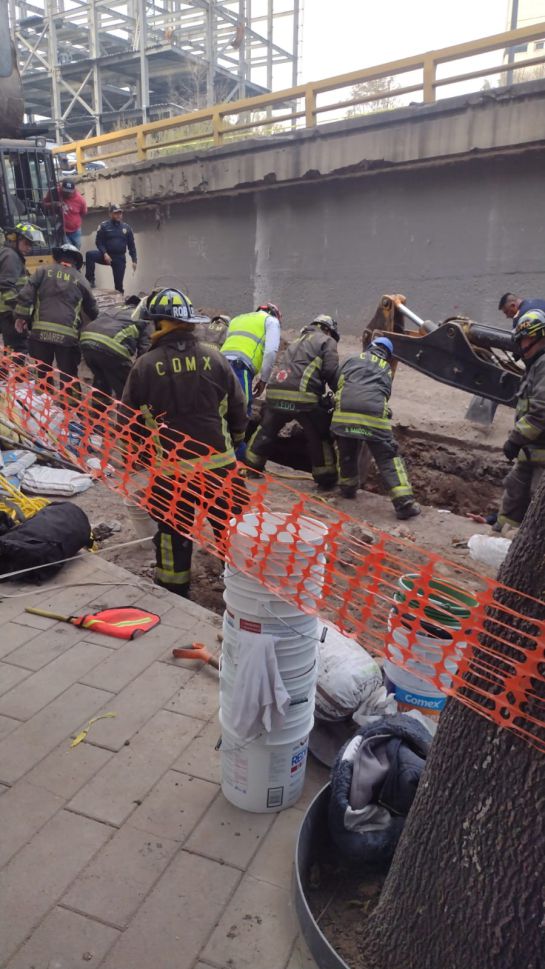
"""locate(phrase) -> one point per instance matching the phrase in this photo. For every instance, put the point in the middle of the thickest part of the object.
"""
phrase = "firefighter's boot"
(406, 508)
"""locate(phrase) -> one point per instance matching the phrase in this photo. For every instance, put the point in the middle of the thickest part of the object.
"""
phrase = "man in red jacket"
(73, 207)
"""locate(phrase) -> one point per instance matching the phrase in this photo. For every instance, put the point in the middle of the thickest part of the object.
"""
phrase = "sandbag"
(56, 532)
(43, 480)
(348, 676)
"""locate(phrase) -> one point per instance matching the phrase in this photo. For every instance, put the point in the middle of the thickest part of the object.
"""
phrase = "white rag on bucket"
(259, 695)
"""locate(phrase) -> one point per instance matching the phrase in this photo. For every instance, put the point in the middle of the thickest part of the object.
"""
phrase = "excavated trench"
(465, 477)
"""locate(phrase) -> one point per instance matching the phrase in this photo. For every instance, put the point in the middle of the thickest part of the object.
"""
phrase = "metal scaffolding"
(93, 66)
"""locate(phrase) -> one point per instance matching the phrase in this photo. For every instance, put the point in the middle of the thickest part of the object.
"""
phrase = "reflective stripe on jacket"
(116, 333)
(529, 430)
(190, 387)
(13, 276)
(52, 302)
(361, 401)
(304, 369)
(246, 339)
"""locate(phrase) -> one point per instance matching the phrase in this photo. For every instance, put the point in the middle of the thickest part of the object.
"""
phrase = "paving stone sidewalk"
(122, 852)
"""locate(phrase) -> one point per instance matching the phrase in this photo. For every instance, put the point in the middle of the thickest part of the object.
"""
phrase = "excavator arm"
(458, 352)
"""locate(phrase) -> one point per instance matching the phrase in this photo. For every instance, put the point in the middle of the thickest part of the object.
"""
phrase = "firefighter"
(297, 391)
(216, 331)
(362, 416)
(251, 346)
(526, 442)
(114, 237)
(13, 275)
(191, 388)
(50, 306)
(109, 344)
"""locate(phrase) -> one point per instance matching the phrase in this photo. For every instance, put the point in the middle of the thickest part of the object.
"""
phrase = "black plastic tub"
(313, 832)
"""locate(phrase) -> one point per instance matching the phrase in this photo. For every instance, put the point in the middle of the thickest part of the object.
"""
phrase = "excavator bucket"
(481, 410)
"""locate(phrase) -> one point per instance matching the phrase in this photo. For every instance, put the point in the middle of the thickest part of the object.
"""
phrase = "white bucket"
(143, 524)
(279, 627)
(274, 542)
(301, 578)
(300, 686)
(294, 655)
(426, 653)
(262, 779)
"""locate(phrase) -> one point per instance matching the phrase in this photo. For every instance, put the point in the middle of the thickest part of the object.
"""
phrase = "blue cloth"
(526, 305)
(75, 238)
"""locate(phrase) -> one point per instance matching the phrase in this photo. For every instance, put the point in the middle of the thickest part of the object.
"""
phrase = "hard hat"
(221, 318)
(329, 324)
(172, 304)
(531, 324)
(383, 341)
(26, 230)
(271, 309)
(68, 251)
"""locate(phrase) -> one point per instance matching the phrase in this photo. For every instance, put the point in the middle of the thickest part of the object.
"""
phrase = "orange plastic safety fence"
(462, 632)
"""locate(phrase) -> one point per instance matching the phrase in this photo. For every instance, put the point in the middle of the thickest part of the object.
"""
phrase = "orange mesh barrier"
(480, 641)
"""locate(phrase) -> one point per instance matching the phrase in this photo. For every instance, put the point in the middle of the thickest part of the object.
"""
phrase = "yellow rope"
(11, 496)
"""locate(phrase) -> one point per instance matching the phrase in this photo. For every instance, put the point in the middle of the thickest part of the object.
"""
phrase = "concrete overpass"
(442, 201)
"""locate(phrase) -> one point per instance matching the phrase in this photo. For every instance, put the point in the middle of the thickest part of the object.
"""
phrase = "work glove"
(21, 325)
(510, 449)
(259, 387)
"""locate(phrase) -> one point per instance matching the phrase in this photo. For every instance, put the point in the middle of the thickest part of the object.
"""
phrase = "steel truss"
(92, 66)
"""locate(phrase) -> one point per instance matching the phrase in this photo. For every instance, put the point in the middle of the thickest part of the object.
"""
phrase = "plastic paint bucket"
(143, 524)
(262, 779)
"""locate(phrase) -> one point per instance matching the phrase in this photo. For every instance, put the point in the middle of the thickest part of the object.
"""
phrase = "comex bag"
(56, 532)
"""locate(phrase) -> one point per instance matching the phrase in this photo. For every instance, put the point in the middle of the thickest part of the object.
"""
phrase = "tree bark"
(466, 889)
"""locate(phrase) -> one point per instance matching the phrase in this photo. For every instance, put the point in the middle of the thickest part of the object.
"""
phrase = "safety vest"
(246, 339)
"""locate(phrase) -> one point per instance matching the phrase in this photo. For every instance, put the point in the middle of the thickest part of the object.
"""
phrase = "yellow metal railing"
(302, 106)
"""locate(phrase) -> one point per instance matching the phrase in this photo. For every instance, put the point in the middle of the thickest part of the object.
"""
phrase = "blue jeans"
(245, 378)
(74, 237)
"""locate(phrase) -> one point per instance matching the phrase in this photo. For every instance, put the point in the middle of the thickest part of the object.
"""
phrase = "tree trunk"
(466, 885)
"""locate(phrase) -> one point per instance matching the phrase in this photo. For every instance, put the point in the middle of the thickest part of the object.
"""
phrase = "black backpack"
(57, 531)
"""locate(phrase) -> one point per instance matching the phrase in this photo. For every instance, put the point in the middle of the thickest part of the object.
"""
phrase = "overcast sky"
(345, 35)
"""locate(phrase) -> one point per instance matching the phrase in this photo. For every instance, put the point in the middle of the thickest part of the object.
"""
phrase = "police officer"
(50, 306)
(526, 442)
(191, 389)
(251, 346)
(296, 391)
(113, 239)
(13, 275)
(362, 416)
(109, 343)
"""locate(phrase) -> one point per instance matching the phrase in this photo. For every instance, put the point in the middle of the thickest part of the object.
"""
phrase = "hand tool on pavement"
(196, 651)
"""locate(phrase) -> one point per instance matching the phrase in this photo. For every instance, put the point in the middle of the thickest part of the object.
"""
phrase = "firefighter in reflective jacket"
(362, 416)
(191, 388)
(51, 305)
(19, 243)
(109, 344)
(296, 392)
(526, 442)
